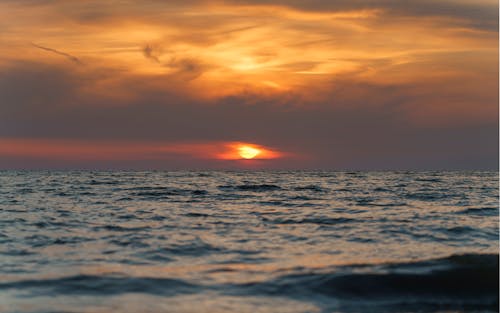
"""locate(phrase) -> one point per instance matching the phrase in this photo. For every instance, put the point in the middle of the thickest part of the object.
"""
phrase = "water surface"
(83, 241)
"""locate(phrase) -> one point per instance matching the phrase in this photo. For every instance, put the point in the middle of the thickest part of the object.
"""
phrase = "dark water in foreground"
(248, 241)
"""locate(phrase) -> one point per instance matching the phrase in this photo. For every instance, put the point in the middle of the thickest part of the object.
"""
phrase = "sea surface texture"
(292, 241)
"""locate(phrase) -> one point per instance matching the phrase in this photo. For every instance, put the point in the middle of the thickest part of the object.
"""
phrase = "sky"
(240, 84)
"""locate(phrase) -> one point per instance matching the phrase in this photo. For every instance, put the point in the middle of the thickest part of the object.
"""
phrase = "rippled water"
(219, 241)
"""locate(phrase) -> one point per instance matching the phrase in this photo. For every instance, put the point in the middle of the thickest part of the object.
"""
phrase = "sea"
(249, 241)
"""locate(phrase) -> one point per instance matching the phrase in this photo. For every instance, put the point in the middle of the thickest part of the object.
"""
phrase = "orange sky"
(123, 150)
(313, 79)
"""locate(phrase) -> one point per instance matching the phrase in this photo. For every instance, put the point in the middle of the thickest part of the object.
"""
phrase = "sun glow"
(247, 152)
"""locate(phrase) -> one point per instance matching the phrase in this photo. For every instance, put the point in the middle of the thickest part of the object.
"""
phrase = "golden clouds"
(212, 50)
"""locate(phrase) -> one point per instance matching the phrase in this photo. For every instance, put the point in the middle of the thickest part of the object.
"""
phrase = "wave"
(102, 285)
(319, 221)
(21, 252)
(40, 241)
(485, 211)
(195, 214)
(455, 282)
(154, 192)
(452, 283)
(304, 198)
(104, 182)
(429, 180)
(251, 187)
(428, 196)
(381, 189)
(195, 248)
(118, 228)
(314, 188)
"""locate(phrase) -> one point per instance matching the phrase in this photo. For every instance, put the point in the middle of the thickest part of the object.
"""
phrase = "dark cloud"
(183, 68)
(64, 54)
(362, 126)
(151, 52)
(477, 14)
(186, 69)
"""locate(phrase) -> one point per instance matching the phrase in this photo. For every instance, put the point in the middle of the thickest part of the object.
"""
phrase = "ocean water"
(292, 241)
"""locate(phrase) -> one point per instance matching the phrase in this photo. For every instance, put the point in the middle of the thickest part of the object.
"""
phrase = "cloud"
(186, 69)
(69, 56)
(478, 14)
(182, 68)
(151, 53)
(362, 126)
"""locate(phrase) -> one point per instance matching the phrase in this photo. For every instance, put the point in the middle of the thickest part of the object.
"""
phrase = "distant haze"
(315, 84)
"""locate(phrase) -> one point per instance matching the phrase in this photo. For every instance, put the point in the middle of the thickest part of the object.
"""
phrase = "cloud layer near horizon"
(334, 84)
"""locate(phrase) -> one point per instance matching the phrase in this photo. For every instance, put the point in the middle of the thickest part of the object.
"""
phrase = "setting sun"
(248, 152)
